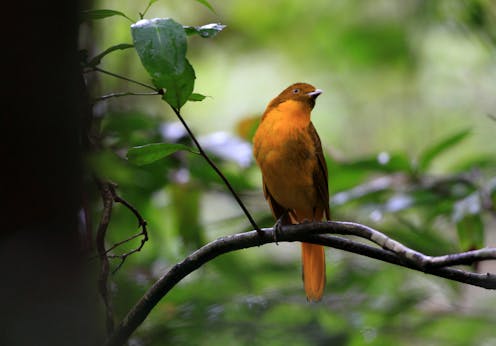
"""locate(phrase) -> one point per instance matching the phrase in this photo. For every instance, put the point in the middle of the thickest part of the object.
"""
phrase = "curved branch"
(416, 259)
(309, 232)
(468, 257)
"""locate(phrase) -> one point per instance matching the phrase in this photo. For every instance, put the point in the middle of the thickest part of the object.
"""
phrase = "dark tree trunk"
(47, 292)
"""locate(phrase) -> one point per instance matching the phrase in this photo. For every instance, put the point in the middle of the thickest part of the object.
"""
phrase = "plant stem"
(217, 170)
(124, 78)
(121, 94)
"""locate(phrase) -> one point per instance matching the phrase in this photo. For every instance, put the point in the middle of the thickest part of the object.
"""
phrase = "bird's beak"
(315, 93)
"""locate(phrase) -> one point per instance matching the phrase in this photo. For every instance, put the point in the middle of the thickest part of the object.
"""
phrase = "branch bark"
(391, 252)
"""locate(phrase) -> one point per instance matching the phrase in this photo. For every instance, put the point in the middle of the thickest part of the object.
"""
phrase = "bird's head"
(301, 92)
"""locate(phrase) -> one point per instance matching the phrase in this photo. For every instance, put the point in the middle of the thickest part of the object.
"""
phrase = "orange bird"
(288, 151)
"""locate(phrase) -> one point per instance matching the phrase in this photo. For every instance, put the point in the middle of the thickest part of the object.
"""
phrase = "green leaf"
(382, 162)
(467, 215)
(437, 149)
(471, 232)
(178, 88)
(186, 205)
(101, 14)
(477, 160)
(98, 58)
(206, 4)
(149, 153)
(205, 31)
(161, 45)
(196, 97)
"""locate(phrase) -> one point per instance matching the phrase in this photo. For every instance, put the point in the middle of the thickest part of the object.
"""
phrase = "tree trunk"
(48, 292)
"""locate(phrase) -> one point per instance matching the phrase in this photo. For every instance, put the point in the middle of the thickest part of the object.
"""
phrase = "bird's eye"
(296, 91)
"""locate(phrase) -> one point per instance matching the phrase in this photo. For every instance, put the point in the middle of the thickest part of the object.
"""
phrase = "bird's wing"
(320, 175)
(277, 209)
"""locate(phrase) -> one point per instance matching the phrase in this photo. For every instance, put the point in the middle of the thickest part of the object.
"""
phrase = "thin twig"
(143, 233)
(308, 232)
(123, 257)
(98, 69)
(108, 199)
(122, 242)
(121, 94)
(217, 170)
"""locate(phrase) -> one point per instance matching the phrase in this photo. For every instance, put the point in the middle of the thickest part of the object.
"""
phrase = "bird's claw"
(277, 229)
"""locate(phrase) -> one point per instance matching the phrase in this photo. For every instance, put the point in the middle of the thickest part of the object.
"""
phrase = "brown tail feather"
(313, 259)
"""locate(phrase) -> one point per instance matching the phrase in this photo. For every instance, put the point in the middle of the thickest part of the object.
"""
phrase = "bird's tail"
(313, 259)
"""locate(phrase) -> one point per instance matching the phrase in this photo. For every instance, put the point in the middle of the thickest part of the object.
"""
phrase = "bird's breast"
(286, 156)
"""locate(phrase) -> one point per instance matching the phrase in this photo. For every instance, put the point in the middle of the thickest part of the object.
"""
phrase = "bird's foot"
(278, 228)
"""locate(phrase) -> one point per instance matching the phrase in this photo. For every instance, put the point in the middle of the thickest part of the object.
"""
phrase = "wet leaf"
(161, 45)
(205, 31)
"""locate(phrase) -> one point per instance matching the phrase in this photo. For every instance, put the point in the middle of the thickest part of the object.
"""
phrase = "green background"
(406, 119)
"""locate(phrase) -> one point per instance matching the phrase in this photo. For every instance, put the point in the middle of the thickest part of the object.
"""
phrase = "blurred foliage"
(410, 86)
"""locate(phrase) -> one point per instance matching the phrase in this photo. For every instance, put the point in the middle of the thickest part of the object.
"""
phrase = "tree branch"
(392, 252)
